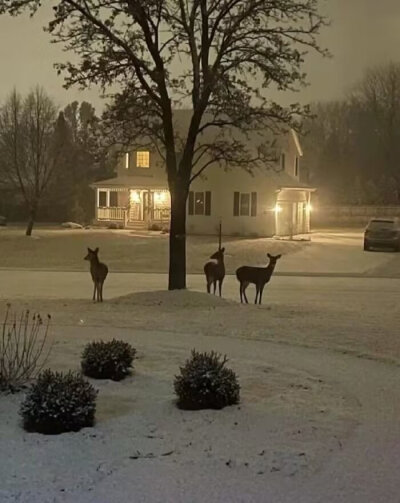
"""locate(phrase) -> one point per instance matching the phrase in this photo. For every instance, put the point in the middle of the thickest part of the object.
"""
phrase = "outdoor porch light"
(309, 207)
(134, 196)
(277, 208)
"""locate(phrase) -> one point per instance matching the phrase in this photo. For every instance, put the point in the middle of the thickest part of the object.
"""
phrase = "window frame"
(237, 204)
(206, 205)
(140, 160)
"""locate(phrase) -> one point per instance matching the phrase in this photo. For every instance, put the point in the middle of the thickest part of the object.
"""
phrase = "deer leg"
(215, 285)
(220, 286)
(208, 286)
(257, 292)
(261, 292)
(94, 291)
(245, 285)
(101, 291)
(98, 291)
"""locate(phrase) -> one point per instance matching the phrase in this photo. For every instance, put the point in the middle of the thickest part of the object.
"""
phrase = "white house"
(265, 200)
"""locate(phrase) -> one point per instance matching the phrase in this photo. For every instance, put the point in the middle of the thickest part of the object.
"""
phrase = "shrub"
(59, 402)
(205, 383)
(107, 360)
(155, 227)
(24, 348)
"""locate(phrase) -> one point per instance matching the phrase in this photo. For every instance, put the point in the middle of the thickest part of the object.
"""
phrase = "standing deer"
(260, 276)
(99, 272)
(215, 271)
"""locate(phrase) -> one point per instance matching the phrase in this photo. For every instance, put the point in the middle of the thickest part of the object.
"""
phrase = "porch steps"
(142, 226)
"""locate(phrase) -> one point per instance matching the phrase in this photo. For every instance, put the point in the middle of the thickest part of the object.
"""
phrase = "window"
(143, 159)
(283, 161)
(127, 160)
(102, 198)
(113, 199)
(199, 203)
(245, 204)
(296, 166)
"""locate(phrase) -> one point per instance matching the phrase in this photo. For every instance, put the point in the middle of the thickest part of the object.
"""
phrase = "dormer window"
(143, 159)
(127, 160)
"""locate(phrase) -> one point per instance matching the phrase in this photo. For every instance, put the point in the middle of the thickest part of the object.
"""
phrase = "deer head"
(92, 254)
(273, 259)
(218, 255)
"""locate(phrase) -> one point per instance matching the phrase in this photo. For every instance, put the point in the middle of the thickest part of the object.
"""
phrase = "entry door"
(147, 206)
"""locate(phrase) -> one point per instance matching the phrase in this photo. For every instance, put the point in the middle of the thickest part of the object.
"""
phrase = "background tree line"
(352, 149)
(48, 158)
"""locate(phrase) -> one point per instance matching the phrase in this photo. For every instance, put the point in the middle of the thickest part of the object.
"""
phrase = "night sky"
(363, 32)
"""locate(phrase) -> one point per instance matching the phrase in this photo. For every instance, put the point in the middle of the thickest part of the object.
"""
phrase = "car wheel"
(366, 245)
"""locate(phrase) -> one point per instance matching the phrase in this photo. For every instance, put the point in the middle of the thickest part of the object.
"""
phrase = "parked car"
(382, 232)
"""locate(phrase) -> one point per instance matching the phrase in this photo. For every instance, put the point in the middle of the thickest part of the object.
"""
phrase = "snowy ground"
(318, 364)
(313, 424)
(328, 252)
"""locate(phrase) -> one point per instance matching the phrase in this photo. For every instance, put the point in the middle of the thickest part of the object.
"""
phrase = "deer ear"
(89, 250)
(96, 250)
(269, 255)
(279, 256)
(223, 249)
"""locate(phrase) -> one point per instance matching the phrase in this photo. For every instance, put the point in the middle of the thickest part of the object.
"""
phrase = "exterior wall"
(223, 185)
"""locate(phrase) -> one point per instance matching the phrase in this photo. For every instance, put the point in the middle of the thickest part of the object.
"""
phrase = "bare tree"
(29, 149)
(218, 56)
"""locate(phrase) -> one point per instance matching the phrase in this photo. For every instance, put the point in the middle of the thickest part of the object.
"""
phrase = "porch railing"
(111, 213)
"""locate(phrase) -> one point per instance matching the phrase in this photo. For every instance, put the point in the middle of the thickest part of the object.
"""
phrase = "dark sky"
(363, 32)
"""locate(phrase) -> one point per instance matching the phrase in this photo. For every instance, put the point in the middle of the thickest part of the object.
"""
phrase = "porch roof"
(130, 182)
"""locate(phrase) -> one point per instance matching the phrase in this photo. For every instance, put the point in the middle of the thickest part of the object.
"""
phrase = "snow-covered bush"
(107, 360)
(59, 402)
(24, 348)
(205, 383)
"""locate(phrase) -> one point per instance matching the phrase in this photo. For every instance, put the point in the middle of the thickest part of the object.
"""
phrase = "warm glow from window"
(127, 160)
(143, 159)
(135, 197)
(159, 197)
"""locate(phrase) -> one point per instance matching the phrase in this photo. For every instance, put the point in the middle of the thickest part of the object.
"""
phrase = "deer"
(99, 272)
(215, 271)
(259, 276)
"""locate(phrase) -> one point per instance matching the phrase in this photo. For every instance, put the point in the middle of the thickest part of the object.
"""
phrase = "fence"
(351, 215)
(113, 213)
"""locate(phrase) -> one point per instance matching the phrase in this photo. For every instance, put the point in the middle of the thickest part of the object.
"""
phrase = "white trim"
(297, 142)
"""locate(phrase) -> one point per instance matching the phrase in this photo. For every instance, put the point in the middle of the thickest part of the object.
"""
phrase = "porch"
(133, 207)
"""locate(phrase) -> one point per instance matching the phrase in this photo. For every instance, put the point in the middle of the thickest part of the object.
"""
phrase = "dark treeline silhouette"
(48, 158)
(352, 149)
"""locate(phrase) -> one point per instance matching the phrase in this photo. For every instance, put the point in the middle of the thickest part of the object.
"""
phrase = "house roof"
(126, 182)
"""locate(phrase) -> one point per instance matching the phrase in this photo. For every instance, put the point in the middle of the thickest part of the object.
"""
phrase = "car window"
(382, 224)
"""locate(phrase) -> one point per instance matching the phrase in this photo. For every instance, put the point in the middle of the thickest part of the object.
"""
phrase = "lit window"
(127, 160)
(143, 159)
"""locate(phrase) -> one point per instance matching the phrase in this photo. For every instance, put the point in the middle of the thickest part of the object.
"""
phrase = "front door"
(147, 206)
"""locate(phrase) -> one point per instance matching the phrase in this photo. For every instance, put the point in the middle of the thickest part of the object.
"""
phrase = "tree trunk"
(177, 240)
(31, 222)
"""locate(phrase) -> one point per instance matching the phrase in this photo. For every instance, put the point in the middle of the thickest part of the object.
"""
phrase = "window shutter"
(236, 197)
(191, 203)
(254, 204)
(207, 210)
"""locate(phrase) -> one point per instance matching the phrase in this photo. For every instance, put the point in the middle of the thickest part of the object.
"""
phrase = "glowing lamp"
(309, 207)
(277, 208)
(159, 197)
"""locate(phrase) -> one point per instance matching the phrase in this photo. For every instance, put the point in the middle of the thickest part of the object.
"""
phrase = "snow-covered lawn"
(124, 250)
(53, 249)
(288, 422)
(306, 417)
